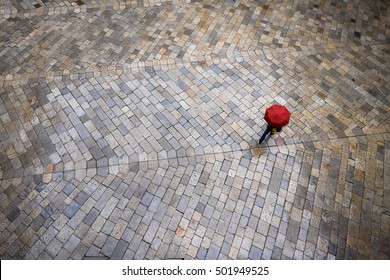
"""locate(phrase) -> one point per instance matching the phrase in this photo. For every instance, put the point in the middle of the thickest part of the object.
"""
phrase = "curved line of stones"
(113, 70)
(267, 52)
(79, 174)
(118, 166)
(135, 5)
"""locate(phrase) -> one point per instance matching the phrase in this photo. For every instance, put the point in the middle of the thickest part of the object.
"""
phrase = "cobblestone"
(129, 130)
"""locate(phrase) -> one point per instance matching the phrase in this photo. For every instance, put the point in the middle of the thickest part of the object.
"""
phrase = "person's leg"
(267, 130)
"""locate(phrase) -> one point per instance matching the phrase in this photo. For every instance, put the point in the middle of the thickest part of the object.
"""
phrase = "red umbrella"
(277, 116)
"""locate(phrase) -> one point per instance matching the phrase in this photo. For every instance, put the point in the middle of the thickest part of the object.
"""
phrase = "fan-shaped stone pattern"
(312, 201)
(130, 131)
(74, 40)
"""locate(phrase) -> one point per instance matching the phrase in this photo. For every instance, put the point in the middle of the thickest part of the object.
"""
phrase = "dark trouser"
(268, 130)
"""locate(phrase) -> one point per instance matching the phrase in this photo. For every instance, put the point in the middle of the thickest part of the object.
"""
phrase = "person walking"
(276, 117)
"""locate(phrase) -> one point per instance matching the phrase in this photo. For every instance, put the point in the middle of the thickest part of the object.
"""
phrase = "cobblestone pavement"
(129, 129)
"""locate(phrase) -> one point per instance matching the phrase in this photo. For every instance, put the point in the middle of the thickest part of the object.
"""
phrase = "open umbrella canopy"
(277, 116)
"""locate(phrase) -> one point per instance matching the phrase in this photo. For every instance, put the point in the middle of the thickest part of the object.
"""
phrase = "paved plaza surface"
(129, 129)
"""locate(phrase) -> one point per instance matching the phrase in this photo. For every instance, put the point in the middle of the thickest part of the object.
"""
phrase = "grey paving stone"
(267, 254)
(91, 217)
(120, 250)
(63, 255)
(108, 227)
(292, 231)
(142, 250)
(183, 203)
(35, 250)
(200, 207)
(81, 198)
(276, 180)
(255, 253)
(109, 207)
(71, 209)
(64, 234)
(37, 223)
(72, 243)
(212, 252)
(225, 249)
(147, 198)
(79, 252)
(69, 188)
(150, 233)
(54, 247)
(201, 253)
(276, 253)
(76, 220)
(109, 246)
